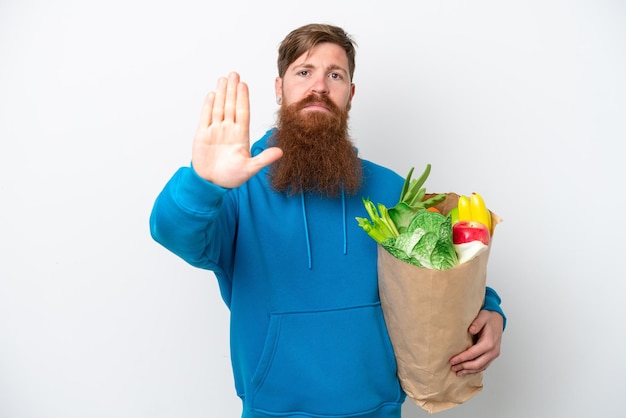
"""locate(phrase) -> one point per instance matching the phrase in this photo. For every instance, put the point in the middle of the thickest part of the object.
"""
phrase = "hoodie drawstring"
(306, 227)
(306, 231)
(345, 226)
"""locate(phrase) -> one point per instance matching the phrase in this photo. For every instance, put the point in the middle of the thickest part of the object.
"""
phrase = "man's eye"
(335, 76)
(304, 73)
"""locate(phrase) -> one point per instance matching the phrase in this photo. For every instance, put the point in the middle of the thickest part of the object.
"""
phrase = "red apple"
(466, 231)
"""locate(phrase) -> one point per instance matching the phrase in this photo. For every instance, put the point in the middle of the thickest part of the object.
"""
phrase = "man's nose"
(320, 85)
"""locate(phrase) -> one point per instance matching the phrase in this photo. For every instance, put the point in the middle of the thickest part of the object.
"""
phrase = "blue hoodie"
(308, 337)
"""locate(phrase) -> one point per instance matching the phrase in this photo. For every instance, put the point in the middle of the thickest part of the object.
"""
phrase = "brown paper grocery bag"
(428, 313)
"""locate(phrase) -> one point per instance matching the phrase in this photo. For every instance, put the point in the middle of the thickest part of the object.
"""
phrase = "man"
(276, 225)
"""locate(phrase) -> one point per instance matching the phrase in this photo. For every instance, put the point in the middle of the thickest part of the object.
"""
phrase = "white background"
(522, 101)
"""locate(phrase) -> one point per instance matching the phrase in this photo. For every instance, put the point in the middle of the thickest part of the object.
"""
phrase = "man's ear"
(278, 89)
(352, 91)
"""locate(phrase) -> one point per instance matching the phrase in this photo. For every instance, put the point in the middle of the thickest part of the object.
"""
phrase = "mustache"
(317, 98)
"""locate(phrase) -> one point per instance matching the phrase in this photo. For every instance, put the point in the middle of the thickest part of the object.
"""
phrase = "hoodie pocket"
(326, 363)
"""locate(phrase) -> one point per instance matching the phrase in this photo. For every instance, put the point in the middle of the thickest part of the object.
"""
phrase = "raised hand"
(221, 145)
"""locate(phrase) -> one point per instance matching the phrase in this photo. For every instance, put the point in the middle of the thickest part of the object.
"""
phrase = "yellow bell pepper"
(480, 213)
(473, 208)
(465, 212)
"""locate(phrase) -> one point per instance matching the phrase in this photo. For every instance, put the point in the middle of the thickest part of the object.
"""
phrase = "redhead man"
(275, 223)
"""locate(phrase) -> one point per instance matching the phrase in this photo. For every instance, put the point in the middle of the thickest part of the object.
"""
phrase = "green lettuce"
(409, 231)
(427, 242)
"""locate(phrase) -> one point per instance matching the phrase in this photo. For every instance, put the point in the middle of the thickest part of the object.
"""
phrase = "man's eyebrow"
(337, 67)
(333, 67)
(305, 65)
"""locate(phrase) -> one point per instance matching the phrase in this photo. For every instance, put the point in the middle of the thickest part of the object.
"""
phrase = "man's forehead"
(333, 57)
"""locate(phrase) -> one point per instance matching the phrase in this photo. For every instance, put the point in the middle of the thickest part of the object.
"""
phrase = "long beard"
(318, 155)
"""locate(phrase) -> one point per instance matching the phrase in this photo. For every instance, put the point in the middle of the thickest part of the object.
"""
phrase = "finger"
(477, 365)
(468, 359)
(242, 115)
(266, 157)
(217, 113)
(478, 323)
(230, 105)
(476, 358)
(207, 108)
(468, 355)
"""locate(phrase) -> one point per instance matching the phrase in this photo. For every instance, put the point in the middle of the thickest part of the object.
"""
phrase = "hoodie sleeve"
(188, 219)
(492, 303)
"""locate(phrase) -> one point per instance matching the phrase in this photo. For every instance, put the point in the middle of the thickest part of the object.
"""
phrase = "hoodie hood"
(262, 144)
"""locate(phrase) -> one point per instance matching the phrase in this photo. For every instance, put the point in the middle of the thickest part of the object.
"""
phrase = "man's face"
(323, 70)
(318, 155)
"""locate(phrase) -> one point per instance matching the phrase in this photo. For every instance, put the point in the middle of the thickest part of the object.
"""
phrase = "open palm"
(221, 145)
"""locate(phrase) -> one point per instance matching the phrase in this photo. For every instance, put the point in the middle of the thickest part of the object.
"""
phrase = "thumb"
(265, 158)
(478, 323)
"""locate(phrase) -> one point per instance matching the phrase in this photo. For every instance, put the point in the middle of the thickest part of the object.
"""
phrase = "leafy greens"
(409, 231)
(427, 242)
